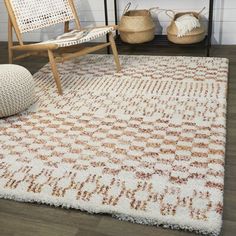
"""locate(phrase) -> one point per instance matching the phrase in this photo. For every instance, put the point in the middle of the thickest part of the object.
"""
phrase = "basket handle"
(153, 9)
(200, 12)
(127, 7)
(172, 15)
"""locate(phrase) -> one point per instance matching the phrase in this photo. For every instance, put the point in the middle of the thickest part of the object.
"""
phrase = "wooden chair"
(27, 16)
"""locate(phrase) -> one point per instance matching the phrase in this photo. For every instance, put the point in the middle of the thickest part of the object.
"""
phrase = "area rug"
(145, 145)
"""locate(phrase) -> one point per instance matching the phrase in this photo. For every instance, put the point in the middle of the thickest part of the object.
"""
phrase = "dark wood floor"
(24, 219)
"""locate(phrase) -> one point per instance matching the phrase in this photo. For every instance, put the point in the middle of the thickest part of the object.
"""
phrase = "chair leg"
(114, 51)
(10, 42)
(10, 55)
(55, 71)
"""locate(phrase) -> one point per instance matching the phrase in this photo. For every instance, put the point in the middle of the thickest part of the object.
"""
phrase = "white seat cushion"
(16, 90)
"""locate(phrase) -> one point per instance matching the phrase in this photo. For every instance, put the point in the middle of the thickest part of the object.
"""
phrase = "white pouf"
(17, 90)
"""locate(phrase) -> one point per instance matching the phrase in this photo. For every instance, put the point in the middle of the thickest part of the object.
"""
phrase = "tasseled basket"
(195, 36)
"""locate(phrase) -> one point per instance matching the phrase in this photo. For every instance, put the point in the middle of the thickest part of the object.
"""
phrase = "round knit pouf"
(16, 90)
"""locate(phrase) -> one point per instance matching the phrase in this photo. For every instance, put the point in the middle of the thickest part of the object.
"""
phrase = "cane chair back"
(31, 15)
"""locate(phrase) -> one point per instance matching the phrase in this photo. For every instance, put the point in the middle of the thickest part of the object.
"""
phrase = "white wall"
(92, 13)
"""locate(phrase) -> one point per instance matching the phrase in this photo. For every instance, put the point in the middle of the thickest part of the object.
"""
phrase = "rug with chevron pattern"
(145, 145)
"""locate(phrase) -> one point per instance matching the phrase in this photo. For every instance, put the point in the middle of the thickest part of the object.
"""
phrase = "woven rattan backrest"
(37, 14)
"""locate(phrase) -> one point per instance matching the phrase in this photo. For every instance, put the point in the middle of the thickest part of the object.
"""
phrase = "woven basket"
(195, 36)
(137, 26)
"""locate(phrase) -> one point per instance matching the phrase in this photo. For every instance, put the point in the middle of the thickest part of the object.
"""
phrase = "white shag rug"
(145, 145)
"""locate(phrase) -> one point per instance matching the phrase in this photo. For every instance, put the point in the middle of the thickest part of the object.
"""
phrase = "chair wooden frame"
(51, 50)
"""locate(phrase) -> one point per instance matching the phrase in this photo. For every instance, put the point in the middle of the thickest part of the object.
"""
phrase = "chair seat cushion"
(77, 37)
(17, 90)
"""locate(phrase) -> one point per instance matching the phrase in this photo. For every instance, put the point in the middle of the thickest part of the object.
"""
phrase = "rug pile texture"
(145, 145)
